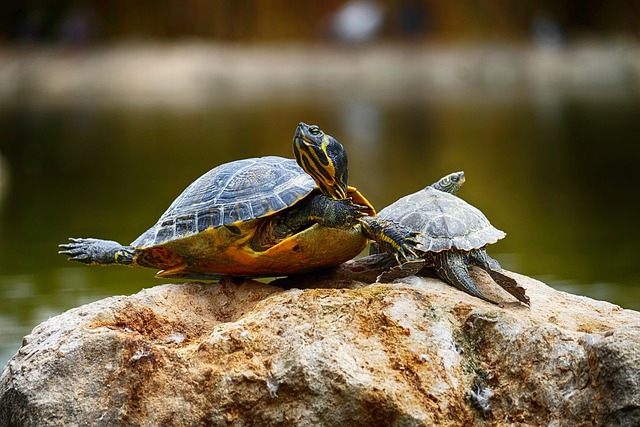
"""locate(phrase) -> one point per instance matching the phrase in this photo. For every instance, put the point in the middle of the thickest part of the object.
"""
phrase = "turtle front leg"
(452, 267)
(320, 209)
(98, 252)
(391, 237)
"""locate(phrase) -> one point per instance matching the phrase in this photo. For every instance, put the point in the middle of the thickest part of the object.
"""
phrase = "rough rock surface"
(416, 353)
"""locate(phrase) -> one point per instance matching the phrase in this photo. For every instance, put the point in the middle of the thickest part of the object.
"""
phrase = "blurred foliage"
(276, 20)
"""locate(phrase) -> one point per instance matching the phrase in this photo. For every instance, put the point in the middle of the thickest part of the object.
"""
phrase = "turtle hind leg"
(483, 260)
(451, 266)
(98, 252)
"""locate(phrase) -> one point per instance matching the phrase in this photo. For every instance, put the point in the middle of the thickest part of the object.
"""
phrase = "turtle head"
(450, 183)
(322, 157)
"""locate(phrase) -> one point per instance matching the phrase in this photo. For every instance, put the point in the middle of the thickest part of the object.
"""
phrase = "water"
(558, 172)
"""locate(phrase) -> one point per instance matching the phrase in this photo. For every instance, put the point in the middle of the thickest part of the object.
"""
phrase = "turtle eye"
(315, 131)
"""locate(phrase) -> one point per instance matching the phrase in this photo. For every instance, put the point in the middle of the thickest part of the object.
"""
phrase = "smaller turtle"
(452, 235)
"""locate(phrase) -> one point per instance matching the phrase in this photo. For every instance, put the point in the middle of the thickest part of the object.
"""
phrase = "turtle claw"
(362, 209)
(78, 250)
(355, 211)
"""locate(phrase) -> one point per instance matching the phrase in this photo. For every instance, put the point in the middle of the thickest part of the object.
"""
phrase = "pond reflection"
(556, 172)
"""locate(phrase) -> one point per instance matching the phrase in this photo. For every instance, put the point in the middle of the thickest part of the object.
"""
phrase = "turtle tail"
(451, 266)
(98, 252)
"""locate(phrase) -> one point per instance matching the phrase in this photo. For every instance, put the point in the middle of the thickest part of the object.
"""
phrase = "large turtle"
(452, 236)
(259, 217)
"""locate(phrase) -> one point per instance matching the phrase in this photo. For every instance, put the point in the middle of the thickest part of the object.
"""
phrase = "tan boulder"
(416, 353)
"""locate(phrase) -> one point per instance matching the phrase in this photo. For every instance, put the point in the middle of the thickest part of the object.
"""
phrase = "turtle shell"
(445, 221)
(231, 193)
(208, 231)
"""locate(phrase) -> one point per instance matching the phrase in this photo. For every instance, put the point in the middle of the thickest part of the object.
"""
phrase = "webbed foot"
(339, 213)
(97, 252)
(452, 267)
(491, 266)
(510, 285)
(392, 237)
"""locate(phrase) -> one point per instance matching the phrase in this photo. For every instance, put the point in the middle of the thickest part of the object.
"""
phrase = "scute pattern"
(233, 192)
(445, 221)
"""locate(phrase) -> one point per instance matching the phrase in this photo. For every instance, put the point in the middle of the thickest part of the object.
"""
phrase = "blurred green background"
(109, 109)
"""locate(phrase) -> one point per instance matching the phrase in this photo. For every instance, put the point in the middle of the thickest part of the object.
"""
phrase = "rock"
(416, 353)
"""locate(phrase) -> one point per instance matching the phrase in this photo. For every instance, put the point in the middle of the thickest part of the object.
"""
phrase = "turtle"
(452, 235)
(259, 217)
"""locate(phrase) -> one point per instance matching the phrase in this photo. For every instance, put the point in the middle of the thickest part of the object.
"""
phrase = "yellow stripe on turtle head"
(322, 157)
